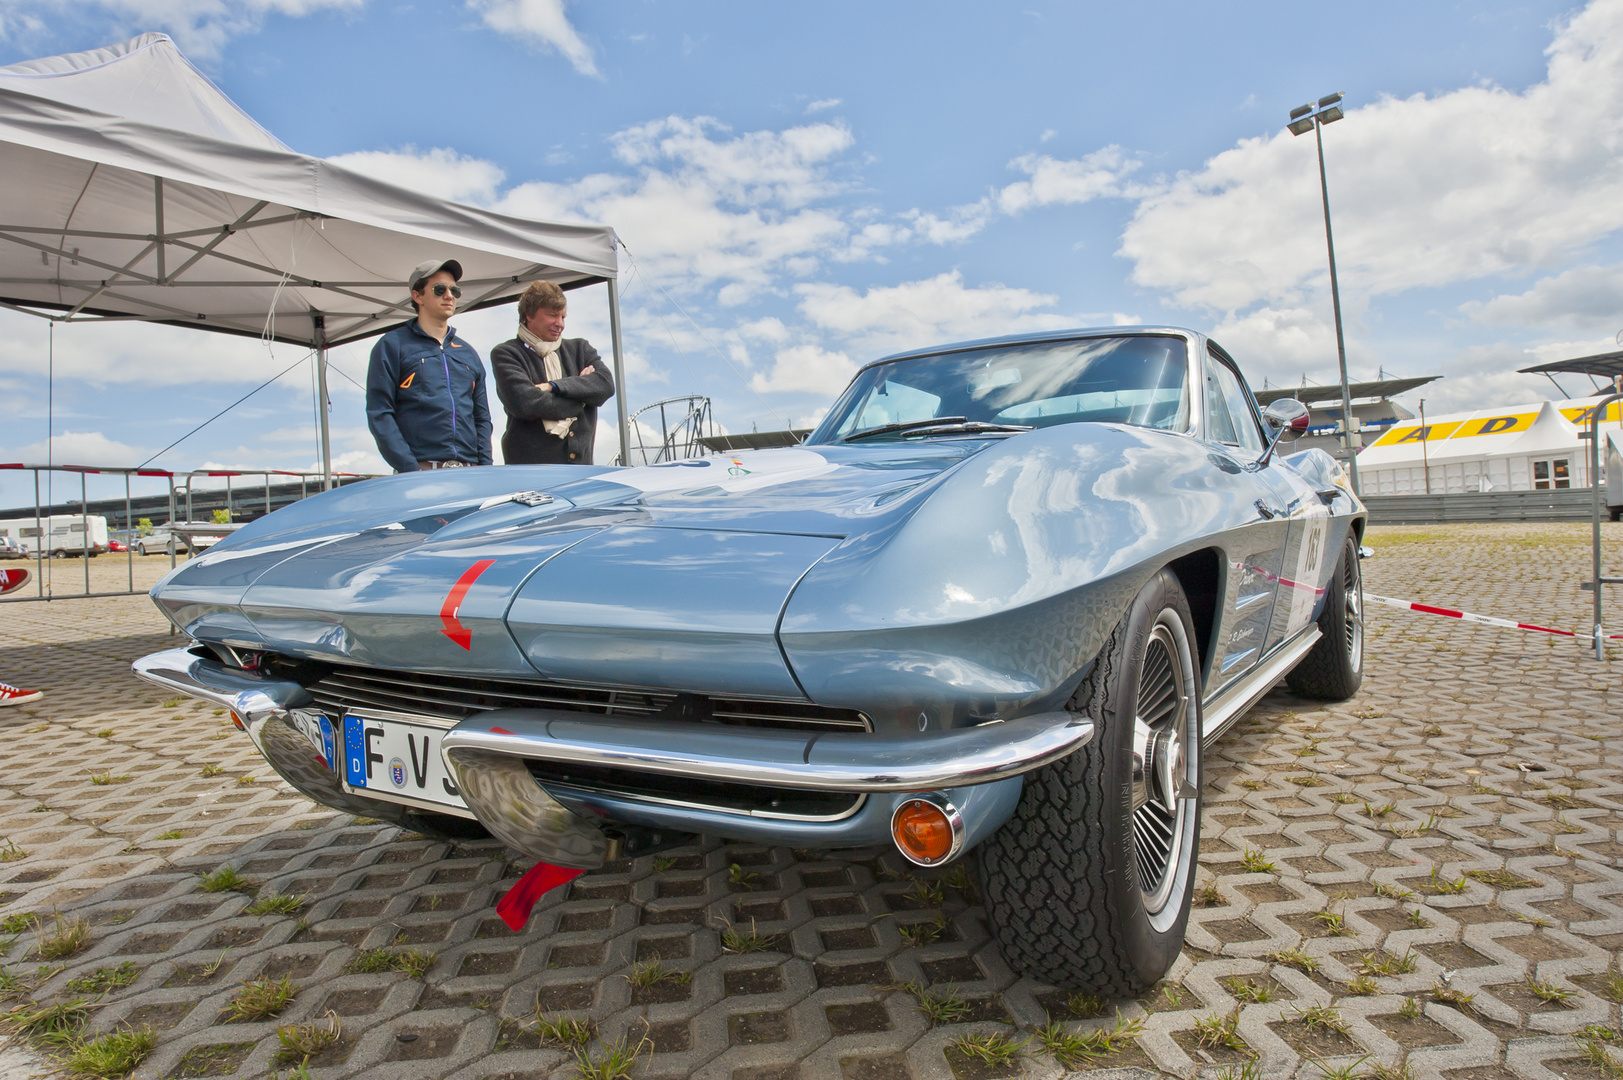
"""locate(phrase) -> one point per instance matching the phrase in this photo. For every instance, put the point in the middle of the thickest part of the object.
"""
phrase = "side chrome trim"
(833, 761)
(244, 693)
(1221, 712)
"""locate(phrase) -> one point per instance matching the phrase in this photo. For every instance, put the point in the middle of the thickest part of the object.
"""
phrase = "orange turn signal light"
(924, 832)
(235, 719)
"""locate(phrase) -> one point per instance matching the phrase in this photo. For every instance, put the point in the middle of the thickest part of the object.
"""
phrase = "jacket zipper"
(445, 360)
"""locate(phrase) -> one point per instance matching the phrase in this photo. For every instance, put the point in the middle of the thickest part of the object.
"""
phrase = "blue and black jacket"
(425, 400)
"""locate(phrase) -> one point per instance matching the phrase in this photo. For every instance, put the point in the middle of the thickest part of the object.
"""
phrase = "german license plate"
(396, 760)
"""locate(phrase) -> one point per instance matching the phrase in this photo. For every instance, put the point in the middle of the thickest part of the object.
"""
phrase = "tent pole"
(321, 405)
(619, 372)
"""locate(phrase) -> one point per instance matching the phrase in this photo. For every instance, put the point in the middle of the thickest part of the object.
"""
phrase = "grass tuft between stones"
(63, 937)
(104, 979)
(300, 1042)
(114, 1054)
(413, 962)
(227, 879)
(261, 999)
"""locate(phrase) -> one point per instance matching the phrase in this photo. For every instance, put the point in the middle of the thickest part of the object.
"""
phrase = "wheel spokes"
(1162, 780)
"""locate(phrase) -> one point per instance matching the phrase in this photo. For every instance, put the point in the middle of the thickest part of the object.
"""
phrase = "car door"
(1301, 575)
(1255, 550)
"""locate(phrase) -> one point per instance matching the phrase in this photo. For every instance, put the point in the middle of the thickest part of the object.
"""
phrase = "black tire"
(1334, 668)
(1617, 513)
(1073, 891)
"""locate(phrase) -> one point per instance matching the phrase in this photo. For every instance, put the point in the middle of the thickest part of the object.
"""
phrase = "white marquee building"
(1519, 448)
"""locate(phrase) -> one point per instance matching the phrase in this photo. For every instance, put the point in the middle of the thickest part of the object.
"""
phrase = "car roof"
(1032, 339)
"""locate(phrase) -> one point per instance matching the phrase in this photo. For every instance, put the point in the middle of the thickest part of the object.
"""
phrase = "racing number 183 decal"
(1308, 581)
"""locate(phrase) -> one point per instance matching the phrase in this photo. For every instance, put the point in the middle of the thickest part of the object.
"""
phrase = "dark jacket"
(518, 369)
(425, 401)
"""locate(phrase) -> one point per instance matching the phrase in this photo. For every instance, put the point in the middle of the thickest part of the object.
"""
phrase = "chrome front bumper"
(487, 754)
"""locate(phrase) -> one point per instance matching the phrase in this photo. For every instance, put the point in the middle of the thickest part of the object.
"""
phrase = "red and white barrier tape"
(1485, 620)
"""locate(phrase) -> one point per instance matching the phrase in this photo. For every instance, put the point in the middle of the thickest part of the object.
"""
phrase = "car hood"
(636, 576)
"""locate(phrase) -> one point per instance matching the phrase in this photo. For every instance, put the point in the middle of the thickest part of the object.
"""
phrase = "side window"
(1229, 414)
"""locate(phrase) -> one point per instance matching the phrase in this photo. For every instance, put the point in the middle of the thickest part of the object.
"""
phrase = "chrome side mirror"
(1284, 414)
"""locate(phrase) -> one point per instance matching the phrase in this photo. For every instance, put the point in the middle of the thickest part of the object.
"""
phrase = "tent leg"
(321, 405)
(619, 373)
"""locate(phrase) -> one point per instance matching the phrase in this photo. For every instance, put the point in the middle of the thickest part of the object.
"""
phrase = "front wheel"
(1333, 669)
(1088, 885)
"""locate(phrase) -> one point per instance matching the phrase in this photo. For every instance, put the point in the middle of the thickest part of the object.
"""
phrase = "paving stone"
(1458, 822)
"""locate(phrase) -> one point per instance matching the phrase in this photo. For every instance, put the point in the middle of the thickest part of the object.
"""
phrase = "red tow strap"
(543, 877)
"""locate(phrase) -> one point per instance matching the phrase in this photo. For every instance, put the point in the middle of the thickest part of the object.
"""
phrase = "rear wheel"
(1334, 668)
(1087, 886)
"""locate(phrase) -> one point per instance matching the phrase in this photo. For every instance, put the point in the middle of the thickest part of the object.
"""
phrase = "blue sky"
(816, 185)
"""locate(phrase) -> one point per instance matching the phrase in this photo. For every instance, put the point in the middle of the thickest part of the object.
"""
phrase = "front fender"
(995, 592)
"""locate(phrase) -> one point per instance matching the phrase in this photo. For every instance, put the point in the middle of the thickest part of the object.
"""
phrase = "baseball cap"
(425, 270)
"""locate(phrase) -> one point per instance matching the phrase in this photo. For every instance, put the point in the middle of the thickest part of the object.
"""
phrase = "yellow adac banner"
(1507, 424)
(1580, 414)
(1414, 433)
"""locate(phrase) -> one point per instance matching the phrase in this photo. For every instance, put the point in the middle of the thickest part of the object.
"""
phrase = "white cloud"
(437, 171)
(918, 313)
(961, 222)
(1280, 343)
(1425, 191)
(1585, 297)
(200, 27)
(1055, 181)
(356, 461)
(80, 448)
(539, 22)
(824, 103)
(806, 369)
(706, 208)
(141, 353)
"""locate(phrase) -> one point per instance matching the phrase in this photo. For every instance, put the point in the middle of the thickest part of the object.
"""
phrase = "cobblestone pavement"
(1426, 878)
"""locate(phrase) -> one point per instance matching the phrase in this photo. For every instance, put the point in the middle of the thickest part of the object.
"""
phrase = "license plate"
(396, 760)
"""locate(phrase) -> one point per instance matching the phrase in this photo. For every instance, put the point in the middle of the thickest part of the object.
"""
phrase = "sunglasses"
(441, 289)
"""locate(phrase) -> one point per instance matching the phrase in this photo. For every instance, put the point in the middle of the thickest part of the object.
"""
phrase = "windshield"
(1139, 380)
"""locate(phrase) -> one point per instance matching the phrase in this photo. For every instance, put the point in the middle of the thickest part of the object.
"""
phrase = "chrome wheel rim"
(1352, 588)
(1166, 770)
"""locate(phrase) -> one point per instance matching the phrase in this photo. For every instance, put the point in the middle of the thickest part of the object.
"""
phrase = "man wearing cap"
(425, 387)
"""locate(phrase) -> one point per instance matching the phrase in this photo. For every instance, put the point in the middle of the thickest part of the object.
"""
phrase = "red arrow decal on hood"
(453, 603)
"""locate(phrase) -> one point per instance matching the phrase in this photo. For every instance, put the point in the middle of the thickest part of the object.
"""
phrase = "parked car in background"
(117, 545)
(159, 541)
(10, 548)
(994, 608)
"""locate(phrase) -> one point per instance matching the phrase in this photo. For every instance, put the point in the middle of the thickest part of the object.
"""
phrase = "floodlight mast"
(1313, 117)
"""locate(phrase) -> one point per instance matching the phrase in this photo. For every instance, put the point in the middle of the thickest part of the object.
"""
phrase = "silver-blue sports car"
(994, 607)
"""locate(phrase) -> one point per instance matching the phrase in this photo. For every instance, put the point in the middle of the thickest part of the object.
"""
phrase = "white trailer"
(60, 536)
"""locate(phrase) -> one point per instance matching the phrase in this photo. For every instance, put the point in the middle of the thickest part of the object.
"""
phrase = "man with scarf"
(550, 387)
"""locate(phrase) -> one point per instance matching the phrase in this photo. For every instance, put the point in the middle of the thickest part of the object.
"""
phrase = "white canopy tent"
(136, 190)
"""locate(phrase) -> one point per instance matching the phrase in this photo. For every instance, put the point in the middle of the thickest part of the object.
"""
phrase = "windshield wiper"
(887, 429)
(971, 426)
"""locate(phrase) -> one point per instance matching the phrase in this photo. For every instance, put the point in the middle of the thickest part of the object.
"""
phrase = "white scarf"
(548, 351)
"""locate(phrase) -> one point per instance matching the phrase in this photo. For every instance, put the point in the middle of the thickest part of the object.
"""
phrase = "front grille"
(560, 777)
(455, 698)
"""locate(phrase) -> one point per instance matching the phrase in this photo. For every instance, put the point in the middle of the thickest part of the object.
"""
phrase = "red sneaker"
(10, 695)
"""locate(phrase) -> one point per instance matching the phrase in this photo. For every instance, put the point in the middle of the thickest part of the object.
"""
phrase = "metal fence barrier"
(181, 502)
(1561, 504)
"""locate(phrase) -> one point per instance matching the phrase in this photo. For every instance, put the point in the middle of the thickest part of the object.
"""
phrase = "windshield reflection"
(1138, 379)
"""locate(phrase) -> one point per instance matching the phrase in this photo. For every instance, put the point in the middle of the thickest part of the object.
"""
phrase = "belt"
(445, 464)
